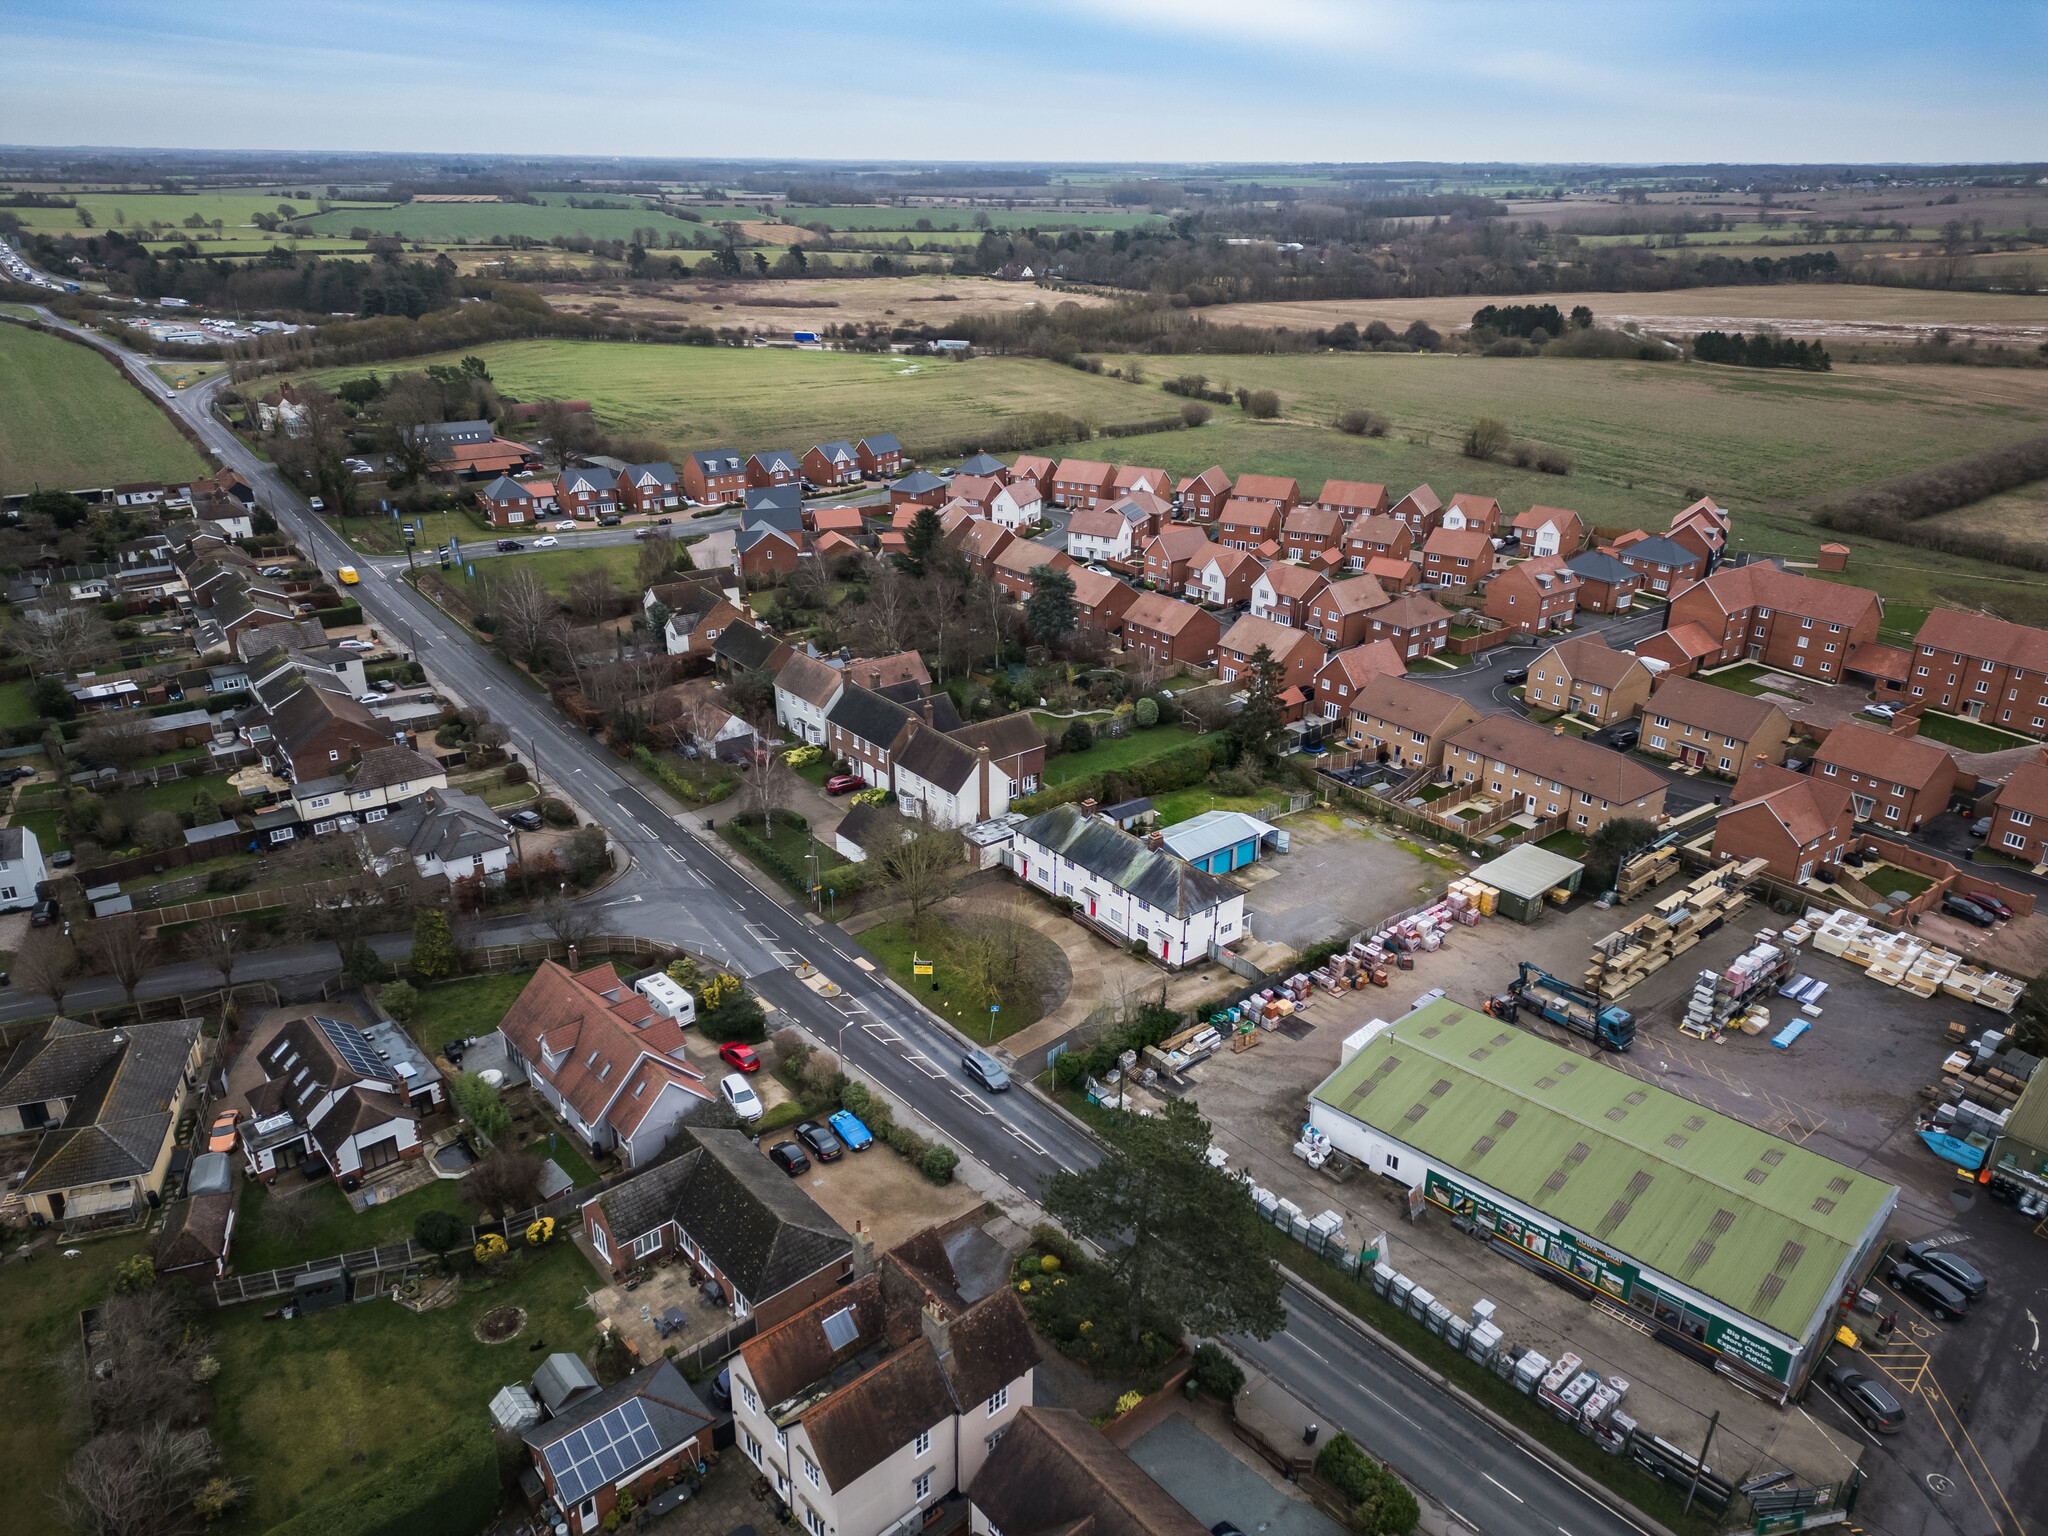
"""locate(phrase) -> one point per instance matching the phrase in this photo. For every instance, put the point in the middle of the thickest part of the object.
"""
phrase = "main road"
(684, 889)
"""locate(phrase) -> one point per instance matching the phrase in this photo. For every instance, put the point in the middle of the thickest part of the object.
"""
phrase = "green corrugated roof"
(2028, 1121)
(1753, 1221)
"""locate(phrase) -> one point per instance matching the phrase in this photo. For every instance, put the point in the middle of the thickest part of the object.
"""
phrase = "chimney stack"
(863, 1252)
(875, 678)
(938, 1328)
(927, 702)
(981, 774)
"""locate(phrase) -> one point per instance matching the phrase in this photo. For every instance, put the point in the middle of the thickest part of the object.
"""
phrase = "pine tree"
(433, 945)
(922, 543)
(1050, 609)
(1255, 726)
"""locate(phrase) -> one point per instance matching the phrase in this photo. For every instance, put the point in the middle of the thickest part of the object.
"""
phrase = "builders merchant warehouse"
(1733, 1245)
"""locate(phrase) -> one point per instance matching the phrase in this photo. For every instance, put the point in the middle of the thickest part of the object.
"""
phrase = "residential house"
(381, 780)
(1985, 668)
(21, 868)
(649, 488)
(761, 553)
(1017, 505)
(1606, 585)
(862, 727)
(877, 1406)
(104, 1106)
(447, 832)
(781, 506)
(350, 1097)
(1202, 496)
(849, 522)
(1534, 595)
(588, 493)
(919, 488)
(1280, 491)
(1352, 499)
(1702, 528)
(1170, 633)
(312, 730)
(714, 476)
(834, 463)
(1666, 568)
(1347, 671)
(774, 466)
(1457, 559)
(606, 1061)
(139, 493)
(1468, 511)
(1100, 601)
(2019, 817)
(1245, 524)
(986, 464)
(1156, 483)
(1587, 678)
(982, 542)
(1012, 567)
(976, 490)
(1173, 557)
(632, 1438)
(736, 1217)
(1794, 623)
(1550, 531)
(1284, 592)
(1299, 653)
(946, 783)
(1226, 578)
(1014, 746)
(1135, 893)
(1082, 483)
(1394, 576)
(1681, 648)
(1417, 626)
(1713, 728)
(1403, 722)
(1103, 534)
(880, 455)
(1036, 469)
(1376, 536)
(1305, 532)
(1420, 512)
(282, 410)
(1055, 1471)
(693, 628)
(1795, 823)
(508, 504)
(1553, 774)
(1340, 614)
(1897, 781)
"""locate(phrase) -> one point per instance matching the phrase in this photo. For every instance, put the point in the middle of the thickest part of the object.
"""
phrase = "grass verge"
(949, 991)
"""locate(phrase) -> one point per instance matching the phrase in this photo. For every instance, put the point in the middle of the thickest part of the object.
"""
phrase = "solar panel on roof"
(841, 1329)
(350, 1046)
(603, 1451)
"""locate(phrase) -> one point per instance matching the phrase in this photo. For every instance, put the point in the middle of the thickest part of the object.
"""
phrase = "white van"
(671, 999)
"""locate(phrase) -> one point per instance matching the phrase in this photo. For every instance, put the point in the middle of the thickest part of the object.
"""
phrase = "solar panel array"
(352, 1048)
(602, 1451)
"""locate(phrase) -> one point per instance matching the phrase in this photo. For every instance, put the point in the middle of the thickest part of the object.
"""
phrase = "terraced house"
(1713, 728)
(1589, 679)
(1897, 780)
(1553, 774)
(1759, 613)
(1134, 893)
(1405, 721)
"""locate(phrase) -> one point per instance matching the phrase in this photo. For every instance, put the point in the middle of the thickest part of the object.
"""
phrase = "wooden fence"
(409, 889)
(515, 957)
(185, 1005)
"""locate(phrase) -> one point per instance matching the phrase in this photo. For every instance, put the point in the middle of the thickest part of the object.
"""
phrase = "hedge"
(1381, 1504)
(340, 618)
(935, 1162)
(675, 783)
(448, 1482)
(843, 879)
(1183, 766)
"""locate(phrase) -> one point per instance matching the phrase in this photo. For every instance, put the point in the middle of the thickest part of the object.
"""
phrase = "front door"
(1756, 653)
(1091, 906)
(1974, 709)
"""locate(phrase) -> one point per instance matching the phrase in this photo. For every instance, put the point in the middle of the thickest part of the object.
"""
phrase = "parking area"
(880, 1193)
(1341, 874)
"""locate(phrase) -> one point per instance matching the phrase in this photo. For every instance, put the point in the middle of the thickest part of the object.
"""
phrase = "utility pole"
(1699, 1471)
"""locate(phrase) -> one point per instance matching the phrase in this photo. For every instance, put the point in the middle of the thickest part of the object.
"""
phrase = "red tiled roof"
(1362, 663)
(1982, 638)
(1885, 661)
(1422, 499)
(1293, 580)
(1460, 544)
(1355, 595)
(570, 1020)
(1387, 568)
(1411, 612)
(1155, 610)
(1764, 585)
(1181, 542)
(1212, 479)
(1251, 632)
(1901, 759)
(1313, 520)
(1087, 471)
(1267, 487)
(2026, 790)
(1807, 810)
(1356, 495)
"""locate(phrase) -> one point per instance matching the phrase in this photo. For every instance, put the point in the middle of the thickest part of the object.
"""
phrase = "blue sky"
(1173, 80)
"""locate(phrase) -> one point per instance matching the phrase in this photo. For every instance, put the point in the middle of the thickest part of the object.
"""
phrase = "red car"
(843, 784)
(744, 1057)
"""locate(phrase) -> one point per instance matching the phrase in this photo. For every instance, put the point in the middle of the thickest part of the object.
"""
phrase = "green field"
(904, 220)
(434, 222)
(558, 567)
(68, 419)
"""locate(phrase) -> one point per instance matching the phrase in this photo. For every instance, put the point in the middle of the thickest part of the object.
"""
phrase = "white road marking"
(1504, 1488)
(1299, 1345)
(761, 932)
(973, 1102)
(925, 1065)
(1034, 1146)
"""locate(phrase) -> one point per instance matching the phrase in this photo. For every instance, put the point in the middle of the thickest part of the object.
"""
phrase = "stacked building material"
(1622, 960)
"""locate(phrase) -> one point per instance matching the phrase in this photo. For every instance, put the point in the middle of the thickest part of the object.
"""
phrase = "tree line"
(1760, 351)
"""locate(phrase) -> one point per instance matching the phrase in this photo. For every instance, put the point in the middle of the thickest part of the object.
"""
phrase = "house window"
(810, 1470)
(598, 1241)
(923, 1445)
(747, 1396)
(2023, 818)
(646, 1243)
(921, 1488)
(2015, 840)
(1828, 769)
(814, 1521)
(753, 1446)
(999, 1402)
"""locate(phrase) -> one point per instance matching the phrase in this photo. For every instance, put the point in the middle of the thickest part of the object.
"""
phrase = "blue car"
(856, 1136)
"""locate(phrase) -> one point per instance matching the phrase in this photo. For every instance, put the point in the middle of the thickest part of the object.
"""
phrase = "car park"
(221, 1137)
(547, 543)
(846, 1125)
(737, 1092)
(1989, 903)
(819, 1142)
(789, 1157)
(1968, 911)
(843, 783)
(743, 1057)
(986, 1070)
(1942, 1298)
(1868, 1400)
(1958, 1272)
(525, 821)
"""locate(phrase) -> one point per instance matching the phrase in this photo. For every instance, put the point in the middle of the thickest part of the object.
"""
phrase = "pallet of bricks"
(1623, 959)
(1990, 1076)
(1899, 960)
(1734, 997)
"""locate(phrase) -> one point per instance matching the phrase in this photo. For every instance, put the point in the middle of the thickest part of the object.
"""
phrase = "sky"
(1646, 81)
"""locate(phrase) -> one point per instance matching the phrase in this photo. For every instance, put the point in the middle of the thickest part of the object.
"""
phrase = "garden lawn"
(555, 567)
(44, 825)
(1969, 735)
(452, 1010)
(1747, 678)
(958, 1000)
(15, 708)
(1887, 878)
(1570, 844)
(69, 419)
(566, 1157)
(336, 1228)
(1117, 752)
(1178, 805)
(315, 1405)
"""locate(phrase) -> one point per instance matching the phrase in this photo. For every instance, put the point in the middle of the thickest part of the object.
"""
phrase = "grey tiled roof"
(865, 714)
(1158, 879)
(120, 1082)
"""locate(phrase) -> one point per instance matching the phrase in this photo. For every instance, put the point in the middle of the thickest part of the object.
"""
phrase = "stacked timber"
(1622, 960)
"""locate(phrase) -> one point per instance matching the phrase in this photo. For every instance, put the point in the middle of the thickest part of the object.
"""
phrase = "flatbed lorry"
(1608, 1025)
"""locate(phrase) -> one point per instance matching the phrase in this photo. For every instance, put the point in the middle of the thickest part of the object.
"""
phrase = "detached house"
(1417, 626)
(1055, 1471)
(1170, 633)
(508, 503)
(1305, 532)
(1457, 559)
(1100, 601)
(1713, 728)
(1606, 585)
(1795, 823)
(715, 476)
(1246, 524)
(1173, 557)
(1406, 723)
(1666, 568)
(1099, 535)
(1467, 511)
(1082, 483)
(1283, 594)
(1202, 496)
(975, 490)
(1352, 499)
(2019, 819)
(762, 552)
(1135, 893)
(1550, 531)
(444, 832)
(1017, 505)
(1153, 482)
(1280, 491)
(588, 493)
(1340, 613)
(604, 1060)
(1299, 653)
(774, 466)
(1585, 677)
(1035, 468)
(1897, 780)
(880, 455)
(919, 488)
(650, 488)
(1553, 774)
(350, 1097)
(1420, 512)
(1226, 578)
(1535, 595)
(834, 463)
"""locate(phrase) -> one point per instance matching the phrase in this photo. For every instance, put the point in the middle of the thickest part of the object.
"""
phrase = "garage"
(1218, 842)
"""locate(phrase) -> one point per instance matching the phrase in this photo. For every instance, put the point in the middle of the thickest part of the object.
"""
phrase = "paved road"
(683, 889)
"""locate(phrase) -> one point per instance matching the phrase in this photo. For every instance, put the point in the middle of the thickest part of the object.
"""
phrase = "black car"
(1968, 911)
(1865, 1398)
(1960, 1273)
(510, 544)
(721, 1388)
(609, 522)
(1989, 903)
(821, 1143)
(1942, 1298)
(45, 913)
(526, 821)
(1519, 675)
(789, 1157)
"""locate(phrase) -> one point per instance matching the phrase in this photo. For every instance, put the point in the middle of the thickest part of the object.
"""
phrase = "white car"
(1881, 711)
(734, 1090)
(317, 504)
(355, 645)
(547, 543)
(370, 698)
(565, 527)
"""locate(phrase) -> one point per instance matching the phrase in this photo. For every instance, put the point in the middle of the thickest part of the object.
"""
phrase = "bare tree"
(216, 944)
(48, 963)
(124, 948)
(569, 922)
(887, 612)
(136, 1482)
(769, 784)
(923, 867)
(563, 433)
(318, 448)
(121, 740)
(60, 637)
(593, 594)
(657, 559)
(525, 610)
(144, 1358)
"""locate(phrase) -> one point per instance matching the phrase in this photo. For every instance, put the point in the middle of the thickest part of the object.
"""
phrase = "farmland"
(69, 420)
(904, 220)
(439, 222)
(783, 305)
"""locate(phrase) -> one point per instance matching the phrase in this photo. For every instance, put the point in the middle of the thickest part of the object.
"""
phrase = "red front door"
(1091, 906)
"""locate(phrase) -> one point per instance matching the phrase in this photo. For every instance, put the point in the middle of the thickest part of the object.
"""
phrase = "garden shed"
(1524, 876)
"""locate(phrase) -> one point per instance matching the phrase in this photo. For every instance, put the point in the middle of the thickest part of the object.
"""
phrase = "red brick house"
(919, 488)
(1082, 483)
(1345, 672)
(1153, 482)
(1248, 524)
(1702, 528)
(1305, 532)
(714, 476)
(983, 542)
(1414, 623)
(1666, 567)
(1100, 603)
(1283, 593)
(850, 521)
(1037, 469)
(1469, 511)
(1012, 567)
(1896, 781)
(1202, 496)
(1281, 490)
(1175, 555)
(880, 455)
(774, 466)
(2019, 819)
(1537, 594)
(649, 488)
(1794, 623)
(1376, 535)
(1353, 499)
(1341, 613)
(1457, 559)
(1606, 585)
(833, 463)
(1406, 723)
(1549, 773)
(976, 490)
(588, 493)
(509, 504)
(1169, 632)
(1420, 511)
(652, 1424)
(1794, 823)
(1984, 668)
(1300, 654)
(1395, 576)
(761, 551)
